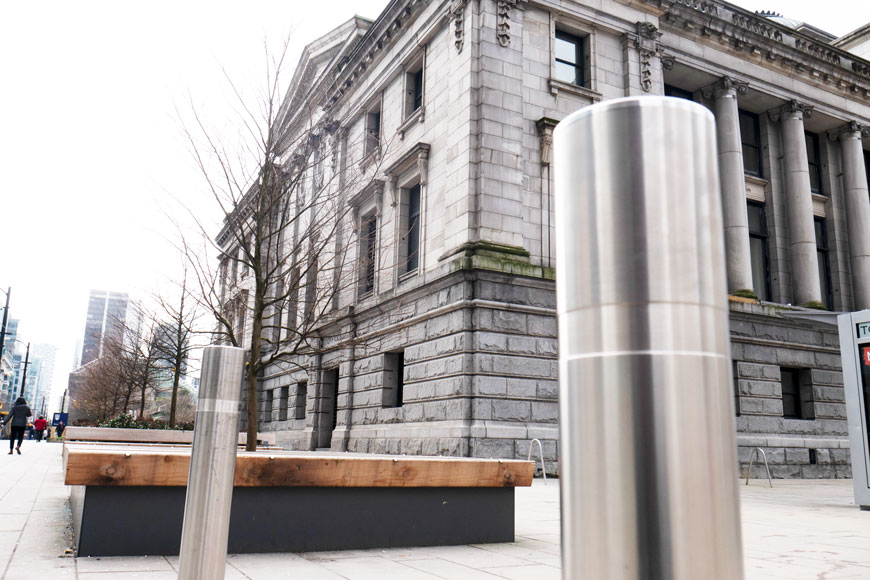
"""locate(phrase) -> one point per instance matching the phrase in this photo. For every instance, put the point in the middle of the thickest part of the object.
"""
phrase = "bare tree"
(174, 338)
(283, 251)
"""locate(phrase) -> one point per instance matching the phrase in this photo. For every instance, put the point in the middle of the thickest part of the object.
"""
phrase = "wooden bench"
(129, 501)
(160, 436)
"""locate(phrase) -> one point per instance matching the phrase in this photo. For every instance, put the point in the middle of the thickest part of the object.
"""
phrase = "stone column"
(806, 288)
(737, 254)
(857, 209)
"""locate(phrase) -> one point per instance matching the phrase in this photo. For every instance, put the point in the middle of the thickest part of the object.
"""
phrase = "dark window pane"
(815, 182)
(813, 162)
(566, 49)
(824, 264)
(812, 148)
(759, 271)
(747, 128)
(751, 161)
(418, 89)
(672, 91)
(413, 236)
(750, 138)
(755, 212)
(566, 73)
(791, 406)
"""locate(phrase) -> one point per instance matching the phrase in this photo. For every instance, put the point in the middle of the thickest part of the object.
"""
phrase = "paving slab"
(797, 530)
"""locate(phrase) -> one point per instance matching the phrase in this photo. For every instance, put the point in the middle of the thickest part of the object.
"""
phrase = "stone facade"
(457, 355)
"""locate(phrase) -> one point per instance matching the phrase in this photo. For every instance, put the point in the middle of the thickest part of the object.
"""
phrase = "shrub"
(128, 422)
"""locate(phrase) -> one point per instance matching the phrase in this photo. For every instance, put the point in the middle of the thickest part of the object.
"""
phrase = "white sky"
(90, 141)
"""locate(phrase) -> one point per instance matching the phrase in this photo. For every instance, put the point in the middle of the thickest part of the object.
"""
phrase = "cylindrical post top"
(646, 407)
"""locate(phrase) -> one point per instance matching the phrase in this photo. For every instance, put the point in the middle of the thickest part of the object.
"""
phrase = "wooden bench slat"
(114, 467)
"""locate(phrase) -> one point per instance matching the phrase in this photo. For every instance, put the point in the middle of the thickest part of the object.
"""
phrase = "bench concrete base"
(147, 520)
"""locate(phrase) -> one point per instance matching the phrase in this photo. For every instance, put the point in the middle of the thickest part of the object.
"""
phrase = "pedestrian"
(18, 417)
(39, 427)
(59, 430)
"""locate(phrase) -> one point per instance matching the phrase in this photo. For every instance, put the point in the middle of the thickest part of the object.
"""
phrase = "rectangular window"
(758, 250)
(824, 263)
(797, 394)
(814, 162)
(393, 379)
(569, 58)
(372, 131)
(283, 401)
(267, 406)
(750, 139)
(414, 88)
(368, 252)
(672, 91)
(301, 399)
(411, 235)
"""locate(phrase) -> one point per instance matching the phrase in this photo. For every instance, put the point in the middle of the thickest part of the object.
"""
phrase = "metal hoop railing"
(752, 455)
(541, 449)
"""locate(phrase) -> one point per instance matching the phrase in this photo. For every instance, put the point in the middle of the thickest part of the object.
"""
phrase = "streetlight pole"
(24, 376)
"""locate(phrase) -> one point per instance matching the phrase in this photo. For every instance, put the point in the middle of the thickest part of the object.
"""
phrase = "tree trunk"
(251, 372)
(142, 401)
(175, 380)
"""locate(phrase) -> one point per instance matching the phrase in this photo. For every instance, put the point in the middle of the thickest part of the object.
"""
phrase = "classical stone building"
(448, 343)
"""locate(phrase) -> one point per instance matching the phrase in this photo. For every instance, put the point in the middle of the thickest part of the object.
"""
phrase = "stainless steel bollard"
(648, 449)
(212, 466)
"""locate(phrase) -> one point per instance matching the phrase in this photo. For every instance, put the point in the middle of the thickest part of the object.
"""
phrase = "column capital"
(851, 130)
(725, 85)
(791, 107)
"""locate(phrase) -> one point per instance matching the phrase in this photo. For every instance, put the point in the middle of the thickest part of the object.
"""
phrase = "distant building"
(8, 390)
(45, 354)
(107, 315)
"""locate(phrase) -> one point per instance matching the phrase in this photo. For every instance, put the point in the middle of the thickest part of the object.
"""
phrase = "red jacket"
(39, 424)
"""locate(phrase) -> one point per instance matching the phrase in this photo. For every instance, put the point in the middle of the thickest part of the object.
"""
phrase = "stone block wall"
(764, 343)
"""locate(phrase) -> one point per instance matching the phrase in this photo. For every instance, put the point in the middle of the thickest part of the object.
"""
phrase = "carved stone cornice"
(725, 85)
(456, 15)
(806, 111)
(667, 62)
(389, 25)
(852, 129)
(769, 44)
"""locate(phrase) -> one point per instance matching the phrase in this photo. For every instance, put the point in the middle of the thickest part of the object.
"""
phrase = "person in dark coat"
(59, 430)
(18, 417)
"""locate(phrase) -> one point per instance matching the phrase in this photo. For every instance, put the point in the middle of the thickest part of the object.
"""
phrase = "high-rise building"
(8, 385)
(107, 314)
(45, 354)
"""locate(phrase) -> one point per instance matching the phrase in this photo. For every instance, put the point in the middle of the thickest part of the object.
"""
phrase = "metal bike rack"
(541, 449)
(751, 458)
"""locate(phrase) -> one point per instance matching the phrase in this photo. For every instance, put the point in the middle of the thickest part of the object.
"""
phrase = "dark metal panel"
(128, 521)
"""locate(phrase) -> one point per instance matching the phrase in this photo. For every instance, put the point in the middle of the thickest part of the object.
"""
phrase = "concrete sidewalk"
(797, 530)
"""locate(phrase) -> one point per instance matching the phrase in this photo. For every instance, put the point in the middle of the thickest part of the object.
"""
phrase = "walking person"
(39, 428)
(59, 430)
(18, 418)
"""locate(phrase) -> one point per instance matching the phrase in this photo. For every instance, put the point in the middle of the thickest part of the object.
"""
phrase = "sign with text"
(864, 330)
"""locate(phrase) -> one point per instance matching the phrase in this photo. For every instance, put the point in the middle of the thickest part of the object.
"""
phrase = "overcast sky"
(91, 149)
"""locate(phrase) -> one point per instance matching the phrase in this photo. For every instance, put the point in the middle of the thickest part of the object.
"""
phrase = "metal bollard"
(209, 496)
(648, 447)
